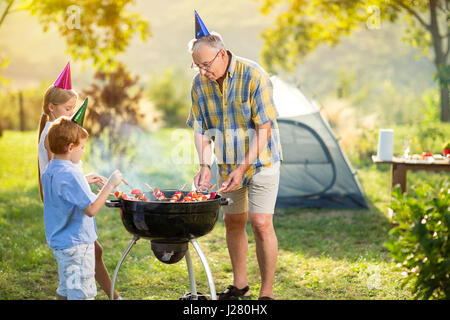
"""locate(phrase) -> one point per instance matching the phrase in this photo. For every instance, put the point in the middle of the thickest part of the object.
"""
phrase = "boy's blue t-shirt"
(66, 195)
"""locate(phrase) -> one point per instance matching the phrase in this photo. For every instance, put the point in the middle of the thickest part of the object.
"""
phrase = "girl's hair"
(63, 132)
(53, 95)
(213, 40)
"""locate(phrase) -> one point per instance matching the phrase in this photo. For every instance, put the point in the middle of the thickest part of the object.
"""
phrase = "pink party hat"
(64, 81)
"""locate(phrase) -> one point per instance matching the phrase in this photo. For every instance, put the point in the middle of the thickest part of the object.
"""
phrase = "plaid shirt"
(230, 118)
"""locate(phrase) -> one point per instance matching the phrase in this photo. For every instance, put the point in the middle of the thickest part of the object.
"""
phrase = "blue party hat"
(200, 28)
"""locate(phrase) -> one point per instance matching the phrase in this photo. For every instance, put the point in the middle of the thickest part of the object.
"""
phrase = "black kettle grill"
(170, 226)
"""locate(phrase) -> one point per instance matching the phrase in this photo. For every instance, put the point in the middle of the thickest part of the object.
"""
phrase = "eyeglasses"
(205, 66)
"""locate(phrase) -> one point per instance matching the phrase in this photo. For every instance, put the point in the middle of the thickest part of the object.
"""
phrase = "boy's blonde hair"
(63, 132)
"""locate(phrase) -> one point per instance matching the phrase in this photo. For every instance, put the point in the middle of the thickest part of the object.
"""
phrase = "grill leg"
(125, 253)
(212, 288)
(191, 275)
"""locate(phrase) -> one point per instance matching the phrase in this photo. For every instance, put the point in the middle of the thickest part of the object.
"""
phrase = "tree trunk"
(445, 105)
(440, 62)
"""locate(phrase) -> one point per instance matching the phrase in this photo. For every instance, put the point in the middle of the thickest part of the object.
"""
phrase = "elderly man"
(232, 105)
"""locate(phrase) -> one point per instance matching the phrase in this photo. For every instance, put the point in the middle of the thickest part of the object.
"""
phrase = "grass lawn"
(323, 254)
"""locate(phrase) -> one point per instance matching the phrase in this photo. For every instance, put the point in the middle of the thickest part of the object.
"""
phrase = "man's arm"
(258, 144)
(203, 147)
(204, 152)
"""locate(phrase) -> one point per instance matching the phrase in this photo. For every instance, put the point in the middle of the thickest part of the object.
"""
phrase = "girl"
(60, 102)
(57, 102)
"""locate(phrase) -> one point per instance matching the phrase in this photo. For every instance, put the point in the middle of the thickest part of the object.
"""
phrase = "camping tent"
(314, 171)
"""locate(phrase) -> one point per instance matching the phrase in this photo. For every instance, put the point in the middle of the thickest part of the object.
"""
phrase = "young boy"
(69, 210)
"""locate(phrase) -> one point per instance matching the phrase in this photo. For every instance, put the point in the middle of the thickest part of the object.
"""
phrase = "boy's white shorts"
(76, 269)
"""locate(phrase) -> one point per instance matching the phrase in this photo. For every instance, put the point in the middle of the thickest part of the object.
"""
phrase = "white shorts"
(258, 196)
(76, 269)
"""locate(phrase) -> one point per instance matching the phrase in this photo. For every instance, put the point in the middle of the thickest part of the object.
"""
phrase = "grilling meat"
(192, 196)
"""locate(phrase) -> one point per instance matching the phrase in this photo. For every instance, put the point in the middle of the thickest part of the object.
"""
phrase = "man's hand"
(202, 178)
(234, 180)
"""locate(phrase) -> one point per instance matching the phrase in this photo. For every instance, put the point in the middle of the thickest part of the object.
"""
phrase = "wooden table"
(399, 167)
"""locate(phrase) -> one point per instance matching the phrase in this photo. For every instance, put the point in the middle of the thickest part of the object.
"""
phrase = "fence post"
(21, 114)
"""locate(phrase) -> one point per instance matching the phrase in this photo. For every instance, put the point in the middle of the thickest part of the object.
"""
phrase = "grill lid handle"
(113, 204)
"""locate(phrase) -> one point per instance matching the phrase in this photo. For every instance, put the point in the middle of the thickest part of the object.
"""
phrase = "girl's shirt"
(42, 152)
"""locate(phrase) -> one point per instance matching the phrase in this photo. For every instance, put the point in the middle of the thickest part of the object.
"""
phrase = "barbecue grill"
(170, 227)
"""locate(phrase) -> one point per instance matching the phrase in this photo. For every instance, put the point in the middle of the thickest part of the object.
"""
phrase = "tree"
(113, 113)
(93, 29)
(168, 94)
(113, 103)
(306, 24)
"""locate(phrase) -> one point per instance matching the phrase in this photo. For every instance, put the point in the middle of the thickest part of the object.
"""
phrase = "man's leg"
(262, 195)
(237, 243)
(266, 250)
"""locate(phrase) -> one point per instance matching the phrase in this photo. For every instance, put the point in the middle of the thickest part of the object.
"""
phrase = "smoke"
(165, 159)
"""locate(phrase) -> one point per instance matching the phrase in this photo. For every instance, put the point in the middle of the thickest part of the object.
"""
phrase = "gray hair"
(214, 40)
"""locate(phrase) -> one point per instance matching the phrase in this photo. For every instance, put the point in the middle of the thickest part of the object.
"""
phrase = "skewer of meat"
(158, 194)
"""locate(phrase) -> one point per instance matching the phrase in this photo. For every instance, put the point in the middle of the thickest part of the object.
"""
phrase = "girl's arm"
(47, 146)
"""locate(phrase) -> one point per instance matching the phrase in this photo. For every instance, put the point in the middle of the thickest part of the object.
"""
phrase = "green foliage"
(420, 240)
(443, 75)
(113, 102)
(431, 136)
(361, 152)
(113, 114)
(426, 137)
(415, 35)
(413, 117)
(170, 94)
(304, 25)
(4, 61)
(397, 106)
(345, 82)
(32, 99)
(93, 29)
(430, 106)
